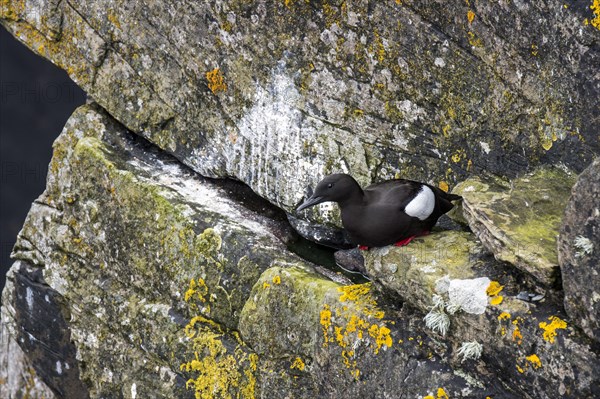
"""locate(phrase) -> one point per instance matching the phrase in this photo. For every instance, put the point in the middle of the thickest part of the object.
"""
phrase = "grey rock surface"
(470, 297)
(277, 94)
(519, 220)
(579, 252)
(159, 282)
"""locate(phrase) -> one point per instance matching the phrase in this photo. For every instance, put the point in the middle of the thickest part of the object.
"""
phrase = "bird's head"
(337, 188)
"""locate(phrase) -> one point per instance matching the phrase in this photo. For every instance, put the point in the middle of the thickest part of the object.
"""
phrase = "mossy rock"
(518, 220)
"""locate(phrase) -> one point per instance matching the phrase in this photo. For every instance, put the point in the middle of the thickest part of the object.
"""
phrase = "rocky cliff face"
(135, 276)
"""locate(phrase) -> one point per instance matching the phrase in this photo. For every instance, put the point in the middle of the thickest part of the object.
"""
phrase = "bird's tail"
(452, 197)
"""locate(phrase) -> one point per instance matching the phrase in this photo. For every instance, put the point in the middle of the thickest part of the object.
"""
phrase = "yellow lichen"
(596, 10)
(550, 329)
(474, 40)
(216, 368)
(494, 288)
(445, 130)
(496, 300)
(470, 16)
(266, 285)
(326, 323)
(534, 49)
(354, 321)
(216, 82)
(443, 186)
(249, 387)
(520, 370)
(534, 360)
(504, 316)
(198, 290)
(517, 336)
(277, 280)
(112, 17)
(298, 364)
(355, 292)
(440, 394)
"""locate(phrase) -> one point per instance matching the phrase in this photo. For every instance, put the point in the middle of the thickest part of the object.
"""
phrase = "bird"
(390, 212)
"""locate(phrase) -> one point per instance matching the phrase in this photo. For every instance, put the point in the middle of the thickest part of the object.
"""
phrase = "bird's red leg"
(404, 241)
(363, 247)
(407, 240)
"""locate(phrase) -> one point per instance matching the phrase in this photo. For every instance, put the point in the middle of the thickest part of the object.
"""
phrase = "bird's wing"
(396, 193)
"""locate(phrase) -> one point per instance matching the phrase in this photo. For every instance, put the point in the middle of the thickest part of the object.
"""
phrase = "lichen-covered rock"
(279, 93)
(340, 341)
(579, 252)
(122, 249)
(159, 283)
(518, 220)
(145, 274)
(471, 305)
(18, 377)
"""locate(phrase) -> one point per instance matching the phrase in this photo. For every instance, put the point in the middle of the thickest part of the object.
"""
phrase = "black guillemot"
(390, 212)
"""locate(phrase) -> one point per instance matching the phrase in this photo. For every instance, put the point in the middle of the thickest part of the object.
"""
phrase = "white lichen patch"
(410, 110)
(439, 62)
(485, 147)
(437, 320)
(470, 350)
(585, 246)
(470, 295)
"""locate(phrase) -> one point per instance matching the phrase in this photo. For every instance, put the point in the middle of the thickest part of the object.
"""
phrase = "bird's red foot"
(407, 240)
(404, 241)
(363, 247)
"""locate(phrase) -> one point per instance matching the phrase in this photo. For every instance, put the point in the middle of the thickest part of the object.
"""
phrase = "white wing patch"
(422, 205)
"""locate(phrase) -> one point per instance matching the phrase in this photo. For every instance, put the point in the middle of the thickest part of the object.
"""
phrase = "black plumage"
(390, 212)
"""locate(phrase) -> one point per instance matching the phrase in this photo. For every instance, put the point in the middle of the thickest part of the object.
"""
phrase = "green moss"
(522, 217)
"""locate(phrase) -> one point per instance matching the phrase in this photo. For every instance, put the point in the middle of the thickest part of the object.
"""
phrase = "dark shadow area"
(36, 99)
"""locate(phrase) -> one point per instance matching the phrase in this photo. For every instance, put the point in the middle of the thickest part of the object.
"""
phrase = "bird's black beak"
(310, 202)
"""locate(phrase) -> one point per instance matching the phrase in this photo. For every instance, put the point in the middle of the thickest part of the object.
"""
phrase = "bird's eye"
(330, 185)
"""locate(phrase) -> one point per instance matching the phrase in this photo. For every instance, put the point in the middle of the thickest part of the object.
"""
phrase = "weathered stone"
(153, 270)
(341, 342)
(351, 259)
(518, 220)
(471, 298)
(163, 285)
(113, 243)
(579, 252)
(18, 377)
(277, 94)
